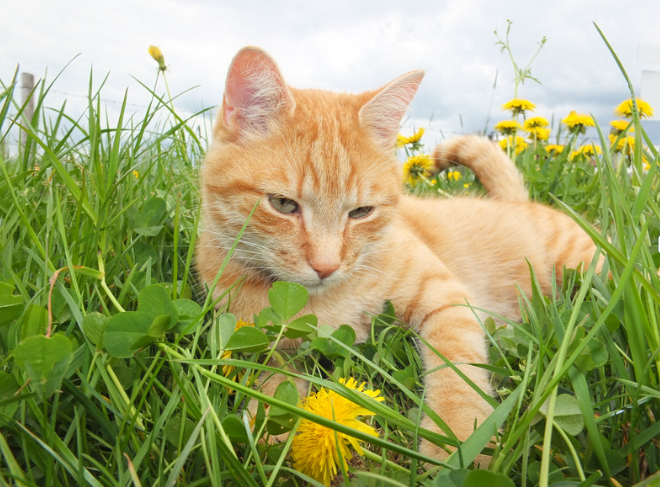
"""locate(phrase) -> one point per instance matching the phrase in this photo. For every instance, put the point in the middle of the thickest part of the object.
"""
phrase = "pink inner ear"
(239, 90)
(255, 91)
(382, 115)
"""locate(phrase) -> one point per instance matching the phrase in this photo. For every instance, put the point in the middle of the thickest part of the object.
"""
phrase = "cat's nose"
(324, 269)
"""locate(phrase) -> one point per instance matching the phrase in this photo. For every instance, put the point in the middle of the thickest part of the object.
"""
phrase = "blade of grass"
(183, 456)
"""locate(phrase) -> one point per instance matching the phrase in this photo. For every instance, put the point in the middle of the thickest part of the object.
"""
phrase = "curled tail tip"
(496, 172)
(440, 161)
(449, 152)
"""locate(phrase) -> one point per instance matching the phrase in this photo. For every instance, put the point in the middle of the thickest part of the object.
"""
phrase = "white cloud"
(341, 45)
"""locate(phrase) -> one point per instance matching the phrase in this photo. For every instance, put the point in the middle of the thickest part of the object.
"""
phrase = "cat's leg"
(437, 307)
(453, 334)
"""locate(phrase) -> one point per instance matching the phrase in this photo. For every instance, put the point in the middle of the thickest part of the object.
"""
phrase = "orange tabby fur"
(332, 153)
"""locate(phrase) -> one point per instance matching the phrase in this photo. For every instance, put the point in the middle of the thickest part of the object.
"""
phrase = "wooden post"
(27, 85)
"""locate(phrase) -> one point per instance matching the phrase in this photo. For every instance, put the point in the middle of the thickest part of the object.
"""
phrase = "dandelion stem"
(167, 88)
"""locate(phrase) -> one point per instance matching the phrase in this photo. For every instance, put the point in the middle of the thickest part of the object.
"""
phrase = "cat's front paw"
(431, 450)
(462, 426)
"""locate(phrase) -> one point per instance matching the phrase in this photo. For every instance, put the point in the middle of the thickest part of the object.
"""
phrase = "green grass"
(97, 228)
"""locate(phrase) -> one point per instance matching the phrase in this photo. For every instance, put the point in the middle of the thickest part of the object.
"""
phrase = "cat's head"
(321, 166)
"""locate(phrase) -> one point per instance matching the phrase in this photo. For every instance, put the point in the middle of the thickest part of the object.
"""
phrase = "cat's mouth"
(318, 288)
(313, 286)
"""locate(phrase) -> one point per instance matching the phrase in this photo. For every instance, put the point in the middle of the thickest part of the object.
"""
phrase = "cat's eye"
(360, 212)
(283, 205)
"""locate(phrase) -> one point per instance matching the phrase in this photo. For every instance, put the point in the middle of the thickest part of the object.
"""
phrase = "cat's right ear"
(382, 115)
(256, 95)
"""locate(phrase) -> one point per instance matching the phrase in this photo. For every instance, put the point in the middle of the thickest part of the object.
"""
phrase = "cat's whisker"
(375, 252)
(363, 268)
(238, 249)
(243, 240)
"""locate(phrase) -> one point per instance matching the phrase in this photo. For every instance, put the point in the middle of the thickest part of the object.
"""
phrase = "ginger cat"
(332, 217)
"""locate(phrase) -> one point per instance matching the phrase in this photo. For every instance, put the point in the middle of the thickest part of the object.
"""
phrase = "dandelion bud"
(157, 55)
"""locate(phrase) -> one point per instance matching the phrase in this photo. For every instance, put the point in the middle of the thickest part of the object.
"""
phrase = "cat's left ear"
(382, 115)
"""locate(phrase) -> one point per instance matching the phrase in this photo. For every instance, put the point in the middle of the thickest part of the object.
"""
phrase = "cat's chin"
(319, 288)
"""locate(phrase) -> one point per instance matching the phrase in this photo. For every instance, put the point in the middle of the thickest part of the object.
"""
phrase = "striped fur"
(334, 153)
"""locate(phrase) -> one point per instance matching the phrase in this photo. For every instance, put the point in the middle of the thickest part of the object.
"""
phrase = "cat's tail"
(496, 172)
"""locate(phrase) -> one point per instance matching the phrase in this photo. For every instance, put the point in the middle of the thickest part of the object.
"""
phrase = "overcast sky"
(344, 46)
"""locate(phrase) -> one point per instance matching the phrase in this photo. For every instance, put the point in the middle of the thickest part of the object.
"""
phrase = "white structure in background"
(650, 89)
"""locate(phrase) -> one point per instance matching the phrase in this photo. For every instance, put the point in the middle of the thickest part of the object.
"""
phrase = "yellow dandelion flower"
(413, 139)
(554, 148)
(416, 168)
(507, 127)
(518, 106)
(157, 55)
(612, 138)
(455, 175)
(539, 133)
(586, 151)
(416, 136)
(578, 122)
(619, 126)
(519, 143)
(535, 122)
(467, 185)
(314, 448)
(590, 150)
(624, 144)
(228, 369)
(361, 387)
(625, 109)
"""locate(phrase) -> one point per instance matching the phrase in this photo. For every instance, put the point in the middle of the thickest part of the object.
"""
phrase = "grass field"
(117, 371)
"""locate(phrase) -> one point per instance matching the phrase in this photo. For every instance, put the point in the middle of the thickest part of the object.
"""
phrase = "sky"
(342, 46)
